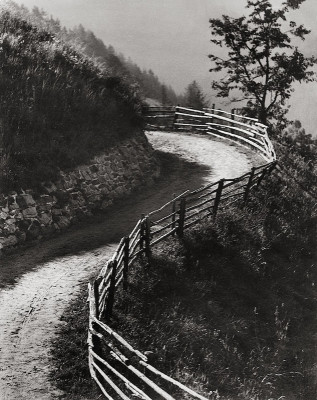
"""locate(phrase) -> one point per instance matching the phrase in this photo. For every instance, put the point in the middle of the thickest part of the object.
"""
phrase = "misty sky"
(172, 37)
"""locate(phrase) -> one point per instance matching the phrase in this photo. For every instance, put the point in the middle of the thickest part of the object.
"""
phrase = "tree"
(164, 100)
(298, 140)
(261, 63)
(194, 97)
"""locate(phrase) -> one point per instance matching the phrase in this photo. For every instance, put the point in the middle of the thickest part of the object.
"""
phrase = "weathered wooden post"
(126, 245)
(173, 214)
(218, 197)
(147, 231)
(175, 119)
(212, 112)
(248, 186)
(112, 290)
(266, 171)
(232, 119)
(94, 342)
(181, 221)
(142, 234)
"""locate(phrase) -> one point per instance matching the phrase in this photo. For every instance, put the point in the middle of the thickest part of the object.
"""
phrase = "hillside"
(145, 82)
(58, 108)
(235, 301)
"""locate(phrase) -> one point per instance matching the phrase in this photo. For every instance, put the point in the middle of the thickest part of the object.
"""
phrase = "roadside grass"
(221, 325)
(69, 352)
(229, 310)
(58, 108)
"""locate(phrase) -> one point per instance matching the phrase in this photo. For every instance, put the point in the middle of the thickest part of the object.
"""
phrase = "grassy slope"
(58, 108)
(231, 309)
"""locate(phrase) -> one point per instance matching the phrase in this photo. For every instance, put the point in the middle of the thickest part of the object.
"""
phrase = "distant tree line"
(145, 82)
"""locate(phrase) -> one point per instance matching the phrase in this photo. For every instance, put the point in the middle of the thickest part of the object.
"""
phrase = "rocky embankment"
(29, 215)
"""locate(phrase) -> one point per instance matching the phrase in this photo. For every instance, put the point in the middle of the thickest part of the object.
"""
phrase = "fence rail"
(110, 354)
(232, 126)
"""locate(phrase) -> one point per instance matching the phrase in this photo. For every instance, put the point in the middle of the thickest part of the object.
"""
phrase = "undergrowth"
(71, 372)
(229, 310)
(58, 108)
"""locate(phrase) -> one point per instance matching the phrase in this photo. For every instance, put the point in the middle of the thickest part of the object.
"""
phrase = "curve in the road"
(54, 270)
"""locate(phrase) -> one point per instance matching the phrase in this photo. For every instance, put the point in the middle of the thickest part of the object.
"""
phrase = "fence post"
(232, 118)
(212, 112)
(126, 261)
(142, 234)
(94, 312)
(112, 290)
(265, 172)
(147, 231)
(218, 197)
(175, 119)
(181, 221)
(173, 214)
(248, 187)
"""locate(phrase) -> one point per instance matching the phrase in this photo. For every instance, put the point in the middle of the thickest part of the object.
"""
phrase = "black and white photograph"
(158, 199)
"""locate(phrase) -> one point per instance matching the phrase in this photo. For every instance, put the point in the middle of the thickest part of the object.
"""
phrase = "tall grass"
(57, 108)
(231, 309)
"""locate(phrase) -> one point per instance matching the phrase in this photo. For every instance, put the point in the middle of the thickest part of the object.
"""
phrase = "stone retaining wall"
(32, 215)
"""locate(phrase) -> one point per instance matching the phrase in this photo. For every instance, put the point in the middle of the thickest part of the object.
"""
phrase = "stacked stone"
(31, 215)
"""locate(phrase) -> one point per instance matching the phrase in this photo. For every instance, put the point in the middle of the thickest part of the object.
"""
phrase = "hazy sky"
(172, 37)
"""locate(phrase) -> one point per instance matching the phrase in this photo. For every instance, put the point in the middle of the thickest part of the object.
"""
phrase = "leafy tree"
(298, 140)
(194, 97)
(261, 63)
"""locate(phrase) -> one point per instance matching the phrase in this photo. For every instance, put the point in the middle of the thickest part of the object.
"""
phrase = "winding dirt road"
(38, 282)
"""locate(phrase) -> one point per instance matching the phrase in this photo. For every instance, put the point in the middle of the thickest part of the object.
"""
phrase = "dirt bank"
(39, 282)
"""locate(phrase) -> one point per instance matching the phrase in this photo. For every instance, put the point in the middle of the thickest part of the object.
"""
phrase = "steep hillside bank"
(58, 108)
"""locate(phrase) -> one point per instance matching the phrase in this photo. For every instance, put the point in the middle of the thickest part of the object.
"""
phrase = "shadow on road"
(177, 176)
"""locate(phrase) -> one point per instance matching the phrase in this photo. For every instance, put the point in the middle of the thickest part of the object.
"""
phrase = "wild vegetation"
(57, 107)
(144, 82)
(63, 96)
(230, 310)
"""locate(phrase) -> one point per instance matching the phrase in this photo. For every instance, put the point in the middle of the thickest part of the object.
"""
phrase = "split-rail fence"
(120, 370)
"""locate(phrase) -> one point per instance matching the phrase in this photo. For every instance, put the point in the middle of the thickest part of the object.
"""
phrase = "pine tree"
(194, 97)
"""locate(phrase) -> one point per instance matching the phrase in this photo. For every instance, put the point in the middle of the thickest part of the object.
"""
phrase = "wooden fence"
(219, 123)
(114, 364)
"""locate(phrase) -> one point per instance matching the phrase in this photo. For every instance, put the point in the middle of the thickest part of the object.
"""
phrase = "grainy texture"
(31, 215)
(31, 309)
